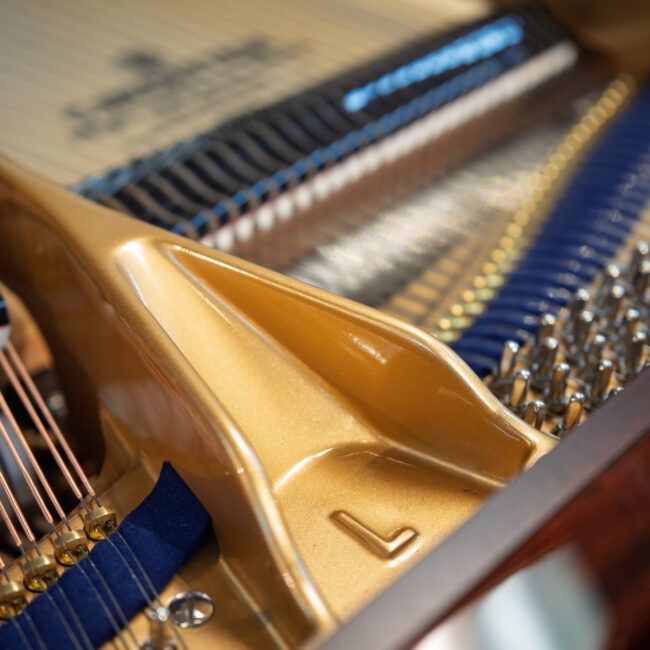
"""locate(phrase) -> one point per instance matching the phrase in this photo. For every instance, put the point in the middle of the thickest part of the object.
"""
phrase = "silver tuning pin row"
(574, 412)
(641, 282)
(640, 255)
(557, 388)
(543, 359)
(505, 369)
(535, 413)
(547, 323)
(519, 390)
(600, 383)
(582, 356)
(636, 354)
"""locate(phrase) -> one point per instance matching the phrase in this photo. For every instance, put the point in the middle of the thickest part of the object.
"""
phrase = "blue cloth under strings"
(163, 531)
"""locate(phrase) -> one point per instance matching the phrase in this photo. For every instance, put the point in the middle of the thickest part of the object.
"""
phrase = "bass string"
(13, 379)
(18, 513)
(51, 421)
(35, 394)
(9, 362)
(40, 402)
(4, 407)
(38, 398)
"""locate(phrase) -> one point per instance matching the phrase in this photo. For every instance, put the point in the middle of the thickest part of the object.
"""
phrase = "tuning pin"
(508, 359)
(595, 351)
(519, 389)
(544, 357)
(636, 354)
(546, 328)
(631, 319)
(557, 387)
(574, 411)
(611, 276)
(640, 253)
(641, 281)
(614, 392)
(612, 304)
(578, 304)
(581, 331)
(535, 413)
(600, 383)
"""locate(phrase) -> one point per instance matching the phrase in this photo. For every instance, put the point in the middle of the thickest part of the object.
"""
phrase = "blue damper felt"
(162, 532)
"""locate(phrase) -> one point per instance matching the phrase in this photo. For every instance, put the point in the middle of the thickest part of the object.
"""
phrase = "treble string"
(125, 623)
(21, 633)
(39, 639)
(80, 626)
(154, 599)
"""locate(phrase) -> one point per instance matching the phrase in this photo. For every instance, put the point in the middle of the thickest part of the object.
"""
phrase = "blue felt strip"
(584, 230)
(162, 532)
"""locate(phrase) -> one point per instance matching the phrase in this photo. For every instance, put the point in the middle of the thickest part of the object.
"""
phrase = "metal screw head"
(191, 609)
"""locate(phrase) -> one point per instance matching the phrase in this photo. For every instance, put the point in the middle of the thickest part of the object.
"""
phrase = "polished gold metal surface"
(70, 547)
(40, 572)
(279, 404)
(100, 523)
(12, 599)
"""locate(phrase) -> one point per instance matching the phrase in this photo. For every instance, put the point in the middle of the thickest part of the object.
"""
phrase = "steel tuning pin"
(547, 323)
(519, 389)
(600, 382)
(610, 276)
(614, 392)
(508, 360)
(641, 281)
(640, 253)
(535, 413)
(544, 356)
(595, 351)
(636, 355)
(581, 332)
(578, 304)
(574, 411)
(631, 319)
(557, 388)
(612, 304)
